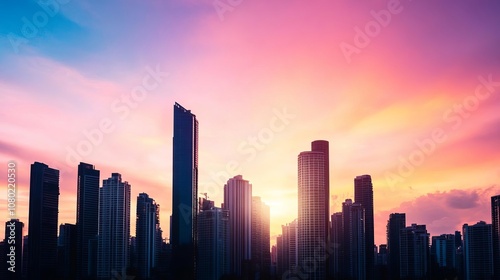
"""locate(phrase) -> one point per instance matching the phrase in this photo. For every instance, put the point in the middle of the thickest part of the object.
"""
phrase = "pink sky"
(406, 85)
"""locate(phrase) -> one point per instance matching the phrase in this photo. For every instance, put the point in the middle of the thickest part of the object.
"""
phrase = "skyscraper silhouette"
(261, 256)
(414, 252)
(87, 217)
(238, 200)
(363, 194)
(396, 222)
(478, 251)
(213, 244)
(495, 221)
(67, 247)
(147, 235)
(114, 227)
(313, 208)
(43, 222)
(184, 193)
(353, 241)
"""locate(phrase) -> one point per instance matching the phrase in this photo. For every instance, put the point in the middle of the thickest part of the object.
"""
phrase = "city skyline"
(249, 76)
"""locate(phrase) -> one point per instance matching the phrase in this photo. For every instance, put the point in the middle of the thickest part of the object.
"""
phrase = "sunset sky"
(406, 91)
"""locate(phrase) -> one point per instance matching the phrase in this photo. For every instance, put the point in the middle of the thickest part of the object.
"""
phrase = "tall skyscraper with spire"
(363, 194)
(43, 221)
(238, 200)
(114, 227)
(184, 193)
(87, 217)
(313, 202)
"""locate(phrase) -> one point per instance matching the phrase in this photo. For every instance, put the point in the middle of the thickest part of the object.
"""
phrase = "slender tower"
(185, 193)
(87, 217)
(313, 202)
(42, 226)
(495, 221)
(238, 200)
(114, 227)
(363, 194)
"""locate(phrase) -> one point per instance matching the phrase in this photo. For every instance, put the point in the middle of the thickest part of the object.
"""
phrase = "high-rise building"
(238, 200)
(495, 222)
(261, 256)
(147, 241)
(353, 242)
(87, 217)
(336, 238)
(184, 193)
(114, 227)
(444, 254)
(67, 251)
(396, 222)
(43, 221)
(287, 251)
(313, 208)
(213, 244)
(13, 243)
(414, 252)
(478, 251)
(363, 194)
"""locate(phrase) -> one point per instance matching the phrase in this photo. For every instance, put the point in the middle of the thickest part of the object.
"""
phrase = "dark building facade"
(495, 223)
(414, 253)
(87, 217)
(213, 244)
(43, 221)
(478, 251)
(185, 193)
(363, 194)
(67, 248)
(396, 222)
(261, 256)
(147, 231)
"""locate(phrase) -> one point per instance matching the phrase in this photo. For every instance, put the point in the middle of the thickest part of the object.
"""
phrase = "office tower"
(42, 227)
(4, 260)
(146, 235)
(184, 193)
(478, 251)
(67, 248)
(13, 243)
(353, 243)
(313, 208)
(396, 222)
(495, 221)
(114, 227)
(363, 194)
(444, 256)
(287, 250)
(87, 217)
(414, 252)
(238, 200)
(213, 244)
(382, 255)
(274, 261)
(336, 237)
(261, 257)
